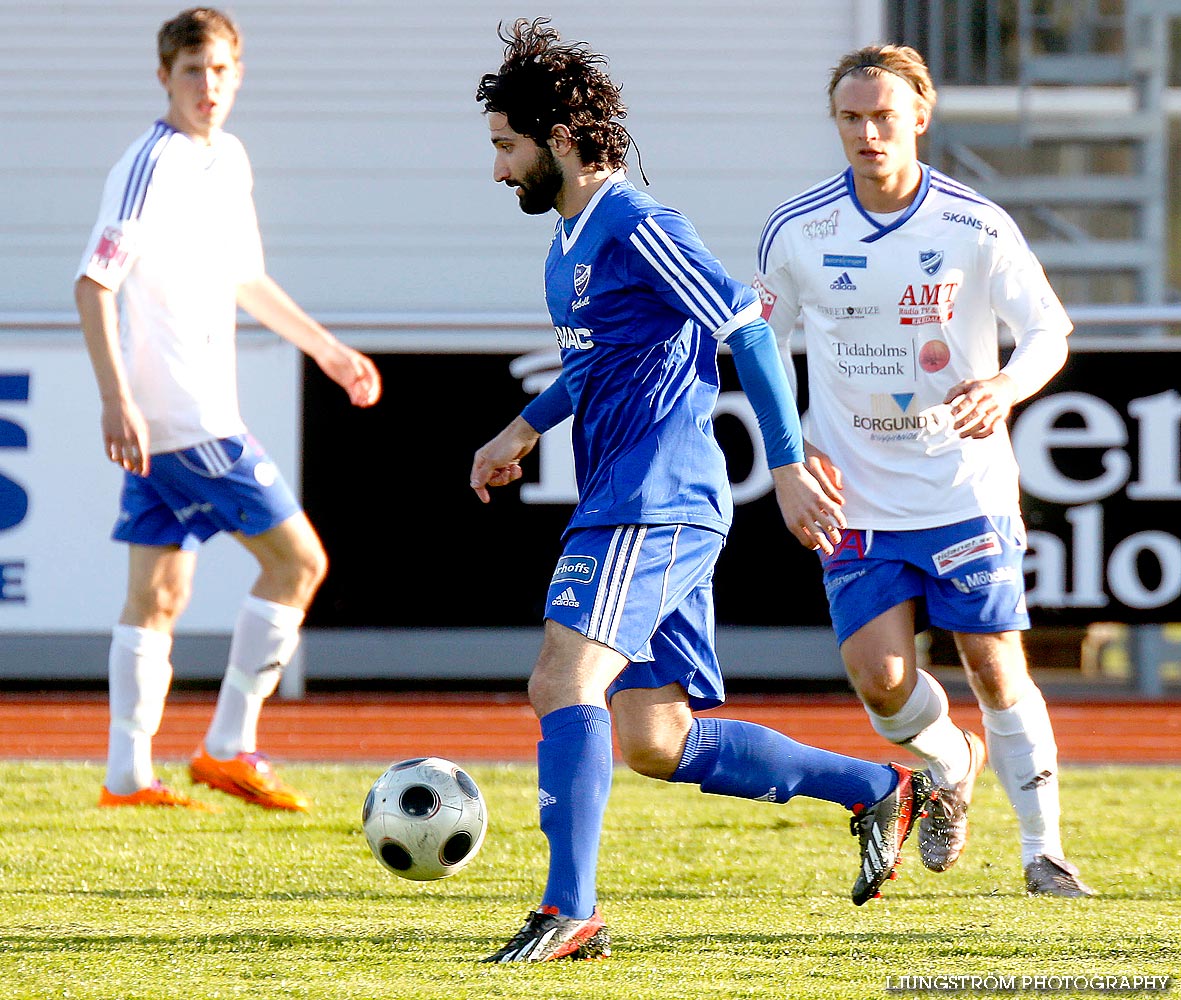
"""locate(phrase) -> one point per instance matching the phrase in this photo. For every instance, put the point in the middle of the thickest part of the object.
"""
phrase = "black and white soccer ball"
(425, 818)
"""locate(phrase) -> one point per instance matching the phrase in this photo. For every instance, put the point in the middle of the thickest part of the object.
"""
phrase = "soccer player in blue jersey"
(639, 307)
(174, 253)
(900, 275)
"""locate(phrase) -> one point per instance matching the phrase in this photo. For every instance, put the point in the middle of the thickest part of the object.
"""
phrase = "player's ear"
(560, 140)
(162, 75)
(922, 118)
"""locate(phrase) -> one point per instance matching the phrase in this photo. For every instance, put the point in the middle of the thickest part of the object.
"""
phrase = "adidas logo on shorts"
(565, 599)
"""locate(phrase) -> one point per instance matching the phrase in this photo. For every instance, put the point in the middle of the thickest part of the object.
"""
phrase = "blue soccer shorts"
(647, 592)
(190, 495)
(963, 577)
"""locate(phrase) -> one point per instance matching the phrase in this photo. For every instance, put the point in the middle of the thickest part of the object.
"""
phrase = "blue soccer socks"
(728, 757)
(574, 765)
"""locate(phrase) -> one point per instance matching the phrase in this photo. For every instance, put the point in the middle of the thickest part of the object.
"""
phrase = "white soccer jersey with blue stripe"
(176, 234)
(895, 314)
(639, 306)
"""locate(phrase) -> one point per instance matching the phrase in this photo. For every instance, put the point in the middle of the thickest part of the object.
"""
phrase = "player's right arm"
(109, 256)
(124, 430)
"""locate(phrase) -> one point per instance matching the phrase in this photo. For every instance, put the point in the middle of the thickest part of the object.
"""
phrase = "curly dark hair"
(545, 82)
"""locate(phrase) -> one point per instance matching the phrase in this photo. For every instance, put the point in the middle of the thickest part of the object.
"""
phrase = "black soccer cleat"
(547, 935)
(943, 832)
(1050, 876)
(884, 827)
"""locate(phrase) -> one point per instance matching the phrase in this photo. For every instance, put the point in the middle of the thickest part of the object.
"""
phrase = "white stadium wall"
(371, 157)
(374, 191)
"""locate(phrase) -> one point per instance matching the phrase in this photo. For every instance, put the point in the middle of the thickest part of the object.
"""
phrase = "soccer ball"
(424, 818)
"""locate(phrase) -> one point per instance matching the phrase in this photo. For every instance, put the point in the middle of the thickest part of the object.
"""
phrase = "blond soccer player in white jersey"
(899, 276)
(174, 253)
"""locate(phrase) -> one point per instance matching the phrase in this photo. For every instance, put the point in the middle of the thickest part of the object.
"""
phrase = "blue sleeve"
(669, 257)
(760, 369)
(550, 408)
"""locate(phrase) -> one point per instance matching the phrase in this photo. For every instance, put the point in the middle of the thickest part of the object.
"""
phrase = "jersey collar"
(568, 241)
(878, 229)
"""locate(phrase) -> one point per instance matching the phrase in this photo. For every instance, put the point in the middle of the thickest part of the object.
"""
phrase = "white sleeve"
(113, 247)
(1036, 359)
(1023, 299)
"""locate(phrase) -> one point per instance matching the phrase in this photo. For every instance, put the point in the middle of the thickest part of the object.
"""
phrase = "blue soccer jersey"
(639, 306)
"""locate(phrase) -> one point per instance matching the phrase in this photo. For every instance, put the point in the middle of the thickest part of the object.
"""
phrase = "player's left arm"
(673, 261)
(263, 299)
(811, 507)
(1023, 299)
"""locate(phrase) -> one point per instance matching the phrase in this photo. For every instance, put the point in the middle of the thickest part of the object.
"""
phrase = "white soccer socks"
(264, 640)
(1023, 754)
(139, 674)
(923, 726)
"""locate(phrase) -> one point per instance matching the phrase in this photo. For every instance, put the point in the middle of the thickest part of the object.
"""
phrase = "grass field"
(705, 896)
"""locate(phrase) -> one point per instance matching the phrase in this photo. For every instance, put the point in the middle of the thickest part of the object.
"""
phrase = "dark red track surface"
(474, 727)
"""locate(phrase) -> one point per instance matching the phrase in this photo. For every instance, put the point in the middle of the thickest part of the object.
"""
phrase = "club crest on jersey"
(930, 261)
(581, 278)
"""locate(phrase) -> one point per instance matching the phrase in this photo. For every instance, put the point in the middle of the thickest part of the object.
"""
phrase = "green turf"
(705, 896)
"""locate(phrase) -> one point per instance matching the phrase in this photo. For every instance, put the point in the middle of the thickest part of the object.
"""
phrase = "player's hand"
(125, 436)
(979, 406)
(830, 478)
(353, 372)
(812, 514)
(498, 462)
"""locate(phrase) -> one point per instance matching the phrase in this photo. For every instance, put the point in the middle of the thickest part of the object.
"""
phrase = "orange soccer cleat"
(156, 794)
(249, 776)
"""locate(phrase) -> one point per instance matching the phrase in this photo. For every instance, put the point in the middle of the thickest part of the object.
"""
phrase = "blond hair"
(875, 60)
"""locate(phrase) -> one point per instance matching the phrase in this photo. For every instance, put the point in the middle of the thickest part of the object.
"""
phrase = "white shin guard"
(924, 727)
(265, 638)
(1024, 755)
(139, 675)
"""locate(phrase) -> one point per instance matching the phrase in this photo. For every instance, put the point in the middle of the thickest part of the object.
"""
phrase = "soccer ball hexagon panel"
(424, 818)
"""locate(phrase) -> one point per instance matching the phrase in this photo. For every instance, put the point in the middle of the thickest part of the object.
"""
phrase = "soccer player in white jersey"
(639, 307)
(174, 253)
(899, 275)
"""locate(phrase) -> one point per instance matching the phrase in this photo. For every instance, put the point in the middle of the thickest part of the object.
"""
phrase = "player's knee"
(651, 757)
(548, 690)
(159, 603)
(316, 567)
(308, 570)
(297, 576)
(995, 664)
(880, 695)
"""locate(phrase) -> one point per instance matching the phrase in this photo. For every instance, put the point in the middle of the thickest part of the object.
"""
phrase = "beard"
(538, 189)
